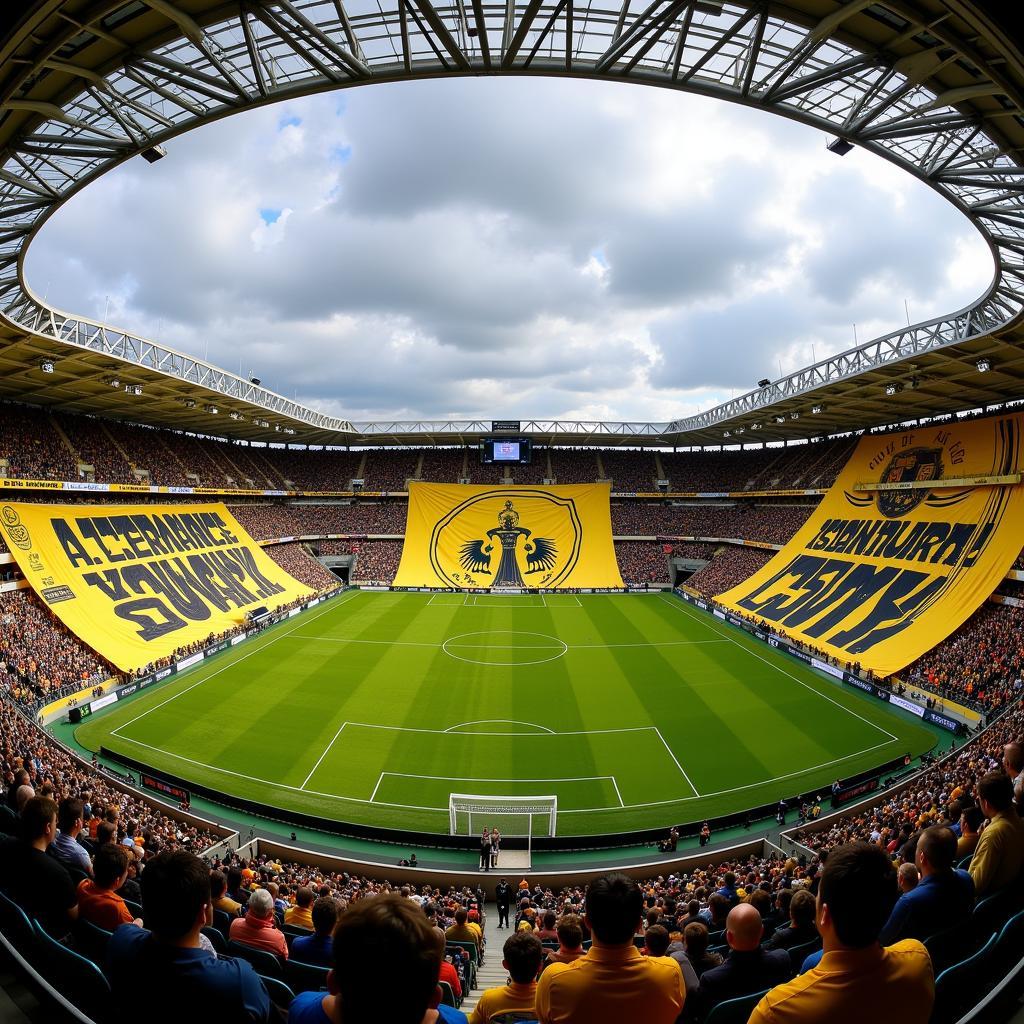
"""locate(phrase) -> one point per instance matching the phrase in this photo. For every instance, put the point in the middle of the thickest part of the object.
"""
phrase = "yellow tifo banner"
(879, 576)
(508, 537)
(136, 582)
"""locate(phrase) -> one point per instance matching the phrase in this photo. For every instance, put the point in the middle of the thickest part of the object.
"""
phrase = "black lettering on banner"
(151, 615)
(108, 582)
(180, 575)
(127, 530)
(206, 572)
(184, 599)
(232, 576)
(896, 606)
(89, 530)
(267, 587)
(74, 550)
(146, 528)
(858, 585)
(168, 537)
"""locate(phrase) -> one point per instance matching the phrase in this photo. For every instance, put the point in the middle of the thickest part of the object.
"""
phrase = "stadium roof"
(933, 86)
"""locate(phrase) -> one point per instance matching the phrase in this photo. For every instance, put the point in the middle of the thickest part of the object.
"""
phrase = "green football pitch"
(635, 711)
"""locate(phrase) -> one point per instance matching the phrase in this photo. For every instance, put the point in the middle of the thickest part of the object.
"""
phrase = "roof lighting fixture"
(815, 409)
(46, 366)
(983, 365)
(114, 382)
(277, 427)
(764, 382)
(893, 389)
(189, 403)
(728, 433)
(755, 426)
(839, 146)
(794, 415)
(235, 414)
(780, 419)
(133, 389)
(289, 430)
(211, 409)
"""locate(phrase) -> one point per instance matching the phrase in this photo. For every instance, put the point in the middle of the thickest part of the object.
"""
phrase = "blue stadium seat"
(280, 994)
(305, 977)
(447, 994)
(263, 961)
(222, 922)
(79, 980)
(135, 909)
(1009, 943)
(216, 940)
(950, 946)
(959, 987)
(14, 923)
(798, 954)
(90, 940)
(735, 1011)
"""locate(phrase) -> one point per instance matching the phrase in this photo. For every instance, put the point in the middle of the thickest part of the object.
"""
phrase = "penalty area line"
(676, 760)
(323, 755)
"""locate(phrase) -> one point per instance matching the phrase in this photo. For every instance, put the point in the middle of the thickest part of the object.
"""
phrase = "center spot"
(504, 647)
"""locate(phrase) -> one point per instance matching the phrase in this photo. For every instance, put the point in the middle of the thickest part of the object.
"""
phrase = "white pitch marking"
(617, 793)
(231, 664)
(505, 721)
(323, 755)
(682, 607)
(696, 792)
(509, 647)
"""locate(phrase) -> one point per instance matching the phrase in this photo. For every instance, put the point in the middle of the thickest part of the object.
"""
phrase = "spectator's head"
(39, 821)
(614, 906)
(304, 896)
(693, 908)
(656, 940)
(570, 931)
(1013, 759)
(522, 954)
(22, 795)
(461, 916)
(261, 904)
(110, 866)
(907, 876)
(760, 899)
(176, 894)
(69, 816)
(550, 917)
(856, 894)
(218, 884)
(325, 915)
(743, 928)
(995, 793)
(971, 819)
(106, 833)
(936, 850)
(801, 908)
(695, 937)
(379, 939)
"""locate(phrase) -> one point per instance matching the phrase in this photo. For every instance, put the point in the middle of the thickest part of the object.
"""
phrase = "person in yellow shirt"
(462, 932)
(613, 982)
(301, 915)
(522, 953)
(999, 857)
(856, 974)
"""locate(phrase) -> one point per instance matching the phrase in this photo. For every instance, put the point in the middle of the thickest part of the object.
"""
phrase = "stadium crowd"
(641, 562)
(774, 524)
(377, 561)
(294, 520)
(297, 562)
(730, 567)
(981, 664)
(40, 660)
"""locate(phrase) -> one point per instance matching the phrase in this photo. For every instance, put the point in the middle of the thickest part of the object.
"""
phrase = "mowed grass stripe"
(733, 719)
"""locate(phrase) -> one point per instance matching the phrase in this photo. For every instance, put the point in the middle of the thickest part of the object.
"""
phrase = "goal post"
(515, 817)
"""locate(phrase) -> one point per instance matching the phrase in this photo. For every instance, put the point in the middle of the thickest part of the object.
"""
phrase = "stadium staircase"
(491, 974)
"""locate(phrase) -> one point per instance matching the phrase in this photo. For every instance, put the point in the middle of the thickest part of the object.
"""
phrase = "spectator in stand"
(316, 948)
(462, 931)
(801, 927)
(547, 931)
(697, 938)
(971, 819)
(378, 941)
(855, 898)
(656, 943)
(613, 982)
(748, 968)
(522, 954)
(66, 847)
(98, 901)
(943, 898)
(258, 929)
(570, 941)
(297, 562)
(1013, 762)
(730, 567)
(220, 897)
(301, 915)
(165, 969)
(999, 858)
(38, 883)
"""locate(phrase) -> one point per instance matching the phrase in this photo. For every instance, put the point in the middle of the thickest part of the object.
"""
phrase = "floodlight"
(893, 389)
(741, 430)
(46, 366)
(728, 433)
(815, 409)
(254, 380)
(780, 419)
(839, 146)
(114, 382)
(211, 409)
(794, 415)
(153, 154)
(983, 365)
(133, 389)
(189, 403)
(763, 382)
(235, 415)
(755, 426)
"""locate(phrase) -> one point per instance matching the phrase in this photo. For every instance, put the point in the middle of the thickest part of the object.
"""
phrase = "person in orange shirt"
(258, 928)
(97, 900)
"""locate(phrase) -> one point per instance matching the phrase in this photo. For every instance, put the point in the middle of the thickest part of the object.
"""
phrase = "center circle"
(504, 647)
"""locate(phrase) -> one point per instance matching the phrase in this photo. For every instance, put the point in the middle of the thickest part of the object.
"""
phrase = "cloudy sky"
(508, 248)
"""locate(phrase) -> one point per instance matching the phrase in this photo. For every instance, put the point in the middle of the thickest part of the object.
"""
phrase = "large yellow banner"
(507, 538)
(894, 559)
(136, 582)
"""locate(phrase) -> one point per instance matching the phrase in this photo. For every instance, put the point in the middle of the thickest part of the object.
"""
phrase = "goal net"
(515, 817)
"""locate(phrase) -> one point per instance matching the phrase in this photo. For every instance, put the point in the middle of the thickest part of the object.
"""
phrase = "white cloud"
(519, 247)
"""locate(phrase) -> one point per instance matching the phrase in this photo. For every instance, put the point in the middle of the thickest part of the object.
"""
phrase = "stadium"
(711, 716)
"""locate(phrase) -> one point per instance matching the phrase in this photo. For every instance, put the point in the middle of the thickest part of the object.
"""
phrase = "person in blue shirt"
(163, 972)
(316, 948)
(386, 958)
(942, 898)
